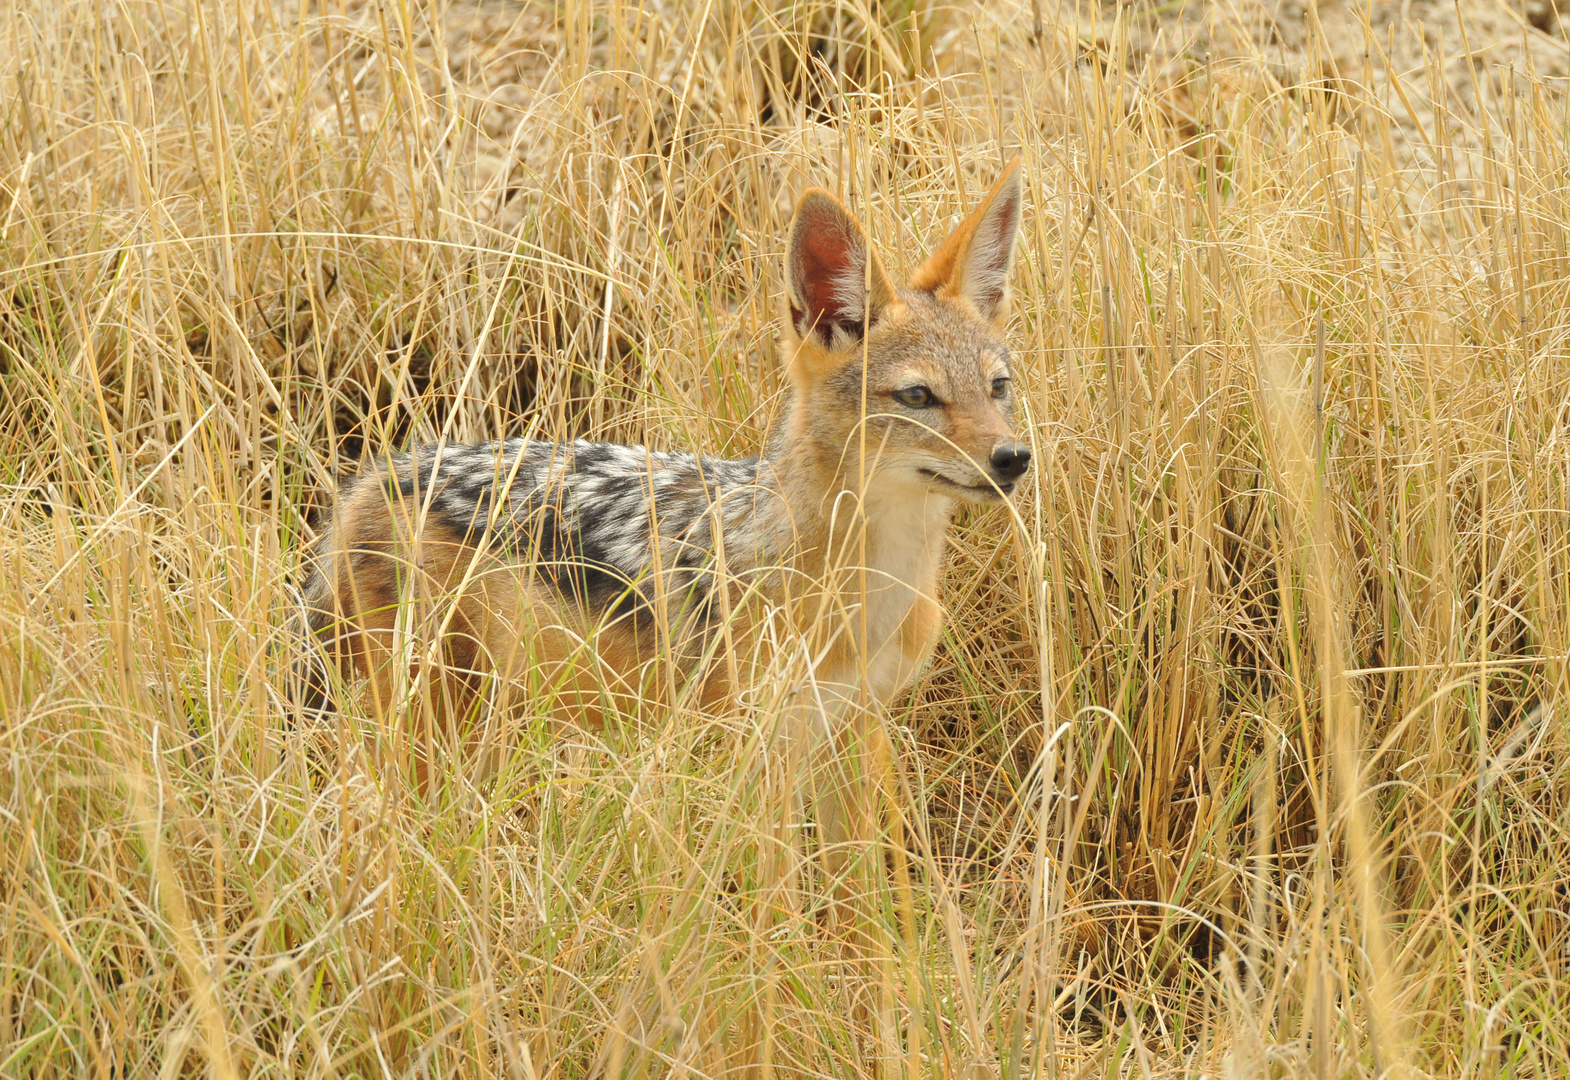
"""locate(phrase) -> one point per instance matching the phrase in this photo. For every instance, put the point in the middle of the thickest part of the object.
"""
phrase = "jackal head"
(918, 377)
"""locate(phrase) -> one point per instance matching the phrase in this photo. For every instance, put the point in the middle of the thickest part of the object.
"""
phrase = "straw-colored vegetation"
(1242, 752)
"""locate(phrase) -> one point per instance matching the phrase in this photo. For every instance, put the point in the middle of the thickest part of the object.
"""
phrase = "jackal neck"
(845, 513)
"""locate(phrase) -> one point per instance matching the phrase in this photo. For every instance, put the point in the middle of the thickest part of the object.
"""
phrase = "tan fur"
(845, 532)
(944, 269)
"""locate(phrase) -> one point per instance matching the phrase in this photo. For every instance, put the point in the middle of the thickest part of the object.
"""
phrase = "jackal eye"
(917, 397)
(1000, 386)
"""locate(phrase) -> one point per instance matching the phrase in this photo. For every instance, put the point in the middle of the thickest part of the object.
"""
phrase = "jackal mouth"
(982, 491)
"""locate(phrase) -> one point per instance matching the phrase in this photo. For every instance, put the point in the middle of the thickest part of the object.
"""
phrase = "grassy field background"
(1243, 754)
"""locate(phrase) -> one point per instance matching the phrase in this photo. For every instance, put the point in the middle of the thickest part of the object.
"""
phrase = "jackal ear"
(836, 280)
(974, 261)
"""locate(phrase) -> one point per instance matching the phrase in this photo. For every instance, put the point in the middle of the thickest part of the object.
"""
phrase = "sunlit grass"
(1240, 754)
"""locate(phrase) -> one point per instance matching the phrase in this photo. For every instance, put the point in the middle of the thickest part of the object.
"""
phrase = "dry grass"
(1242, 751)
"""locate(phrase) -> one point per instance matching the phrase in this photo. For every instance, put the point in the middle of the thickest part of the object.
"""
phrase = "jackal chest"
(901, 615)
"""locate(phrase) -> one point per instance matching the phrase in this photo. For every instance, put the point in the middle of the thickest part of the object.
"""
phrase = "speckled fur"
(594, 569)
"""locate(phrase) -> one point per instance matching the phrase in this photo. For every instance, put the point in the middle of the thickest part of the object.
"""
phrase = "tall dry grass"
(1242, 751)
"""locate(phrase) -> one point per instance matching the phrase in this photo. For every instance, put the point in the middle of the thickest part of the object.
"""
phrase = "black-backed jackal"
(581, 575)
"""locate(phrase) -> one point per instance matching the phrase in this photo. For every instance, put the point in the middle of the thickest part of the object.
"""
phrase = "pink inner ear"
(826, 263)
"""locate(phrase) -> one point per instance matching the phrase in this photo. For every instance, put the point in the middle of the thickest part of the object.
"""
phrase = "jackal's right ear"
(974, 261)
(836, 280)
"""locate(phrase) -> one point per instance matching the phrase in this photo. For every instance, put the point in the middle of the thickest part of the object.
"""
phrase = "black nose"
(1010, 460)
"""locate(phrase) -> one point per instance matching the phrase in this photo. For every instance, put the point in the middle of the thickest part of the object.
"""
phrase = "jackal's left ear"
(836, 280)
(974, 261)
